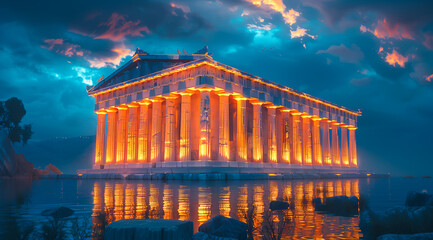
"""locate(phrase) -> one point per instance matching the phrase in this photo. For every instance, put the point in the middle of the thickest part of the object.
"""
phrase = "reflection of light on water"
(204, 202)
(224, 206)
(195, 201)
(183, 203)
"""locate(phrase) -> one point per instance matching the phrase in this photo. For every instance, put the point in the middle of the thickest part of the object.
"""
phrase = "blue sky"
(376, 56)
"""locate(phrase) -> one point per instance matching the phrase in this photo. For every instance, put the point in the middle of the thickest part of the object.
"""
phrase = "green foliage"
(11, 113)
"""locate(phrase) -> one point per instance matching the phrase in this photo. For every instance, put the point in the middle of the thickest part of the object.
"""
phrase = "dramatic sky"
(372, 55)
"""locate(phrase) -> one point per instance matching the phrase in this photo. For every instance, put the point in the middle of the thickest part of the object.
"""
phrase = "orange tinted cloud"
(183, 7)
(113, 61)
(277, 6)
(61, 47)
(119, 28)
(429, 78)
(385, 30)
(299, 33)
(396, 58)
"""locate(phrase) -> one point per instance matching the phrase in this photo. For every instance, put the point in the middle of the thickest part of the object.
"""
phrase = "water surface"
(198, 201)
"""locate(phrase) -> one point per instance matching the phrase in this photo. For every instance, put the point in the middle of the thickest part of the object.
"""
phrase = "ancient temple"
(188, 110)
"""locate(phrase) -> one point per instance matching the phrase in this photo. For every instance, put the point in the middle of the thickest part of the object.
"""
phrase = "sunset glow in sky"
(373, 55)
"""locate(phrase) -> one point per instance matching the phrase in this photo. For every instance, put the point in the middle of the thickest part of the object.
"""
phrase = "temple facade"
(183, 111)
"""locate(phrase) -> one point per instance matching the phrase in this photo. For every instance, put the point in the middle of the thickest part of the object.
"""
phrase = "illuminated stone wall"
(205, 111)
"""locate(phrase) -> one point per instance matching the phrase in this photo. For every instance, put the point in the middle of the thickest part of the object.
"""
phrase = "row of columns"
(165, 130)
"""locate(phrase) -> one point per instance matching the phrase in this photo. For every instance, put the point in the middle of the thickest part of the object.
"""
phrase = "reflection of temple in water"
(199, 202)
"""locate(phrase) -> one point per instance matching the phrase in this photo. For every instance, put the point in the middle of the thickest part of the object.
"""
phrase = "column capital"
(272, 107)
(325, 120)
(335, 123)
(111, 109)
(156, 100)
(122, 107)
(257, 103)
(186, 93)
(306, 116)
(315, 118)
(133, 105)
(101, 111)
(295, 113)
(351, 127)
(144, 102)
(343, 125)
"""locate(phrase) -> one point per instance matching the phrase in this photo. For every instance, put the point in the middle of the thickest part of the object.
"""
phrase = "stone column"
(344, 146)
(224, 128)
(326, 143)
(257, 132)
(110, 157)
(170, 128)
(100, 138)
(336, 159)
(185, 127)
(156, 141)
(143, 133)
(122, 133)
(296, 137)
(317, 147)
(286, 151)
(352, 146)
(242, 149)
(133, 122)
(306, 140)
(205, 112)
(272, 134)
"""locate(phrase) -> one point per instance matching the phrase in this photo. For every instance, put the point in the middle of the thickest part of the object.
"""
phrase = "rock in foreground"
(415, 199)
(339, 205)
(400, 220)
(58, 212)
(223, 228)
(11, 163)
(150, 229)
(419, 236)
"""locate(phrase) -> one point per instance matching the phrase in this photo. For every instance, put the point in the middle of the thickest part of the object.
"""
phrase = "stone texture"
(224, 227)
(58, 212)
(150, 229)
(415, 199)
(399, 220)
(339, 205)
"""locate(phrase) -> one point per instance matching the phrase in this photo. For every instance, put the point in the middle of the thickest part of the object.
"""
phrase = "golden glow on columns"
(111, 136)
(156, 144)
(272, 135)
(205, 112)
(170, 128)
(100, 138)
(344, 146)
(257, 132)
(336, 159)
(241, 129)
(122, 130)
(286, 136)
(306, 140)
(143, 133)
(317, 147)
(224, 127)
(352, 143)
(185, 127)
(296, 137)
(326, 144)
(132, 133)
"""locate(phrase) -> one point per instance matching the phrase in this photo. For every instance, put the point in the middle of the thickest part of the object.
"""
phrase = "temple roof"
(143, 65)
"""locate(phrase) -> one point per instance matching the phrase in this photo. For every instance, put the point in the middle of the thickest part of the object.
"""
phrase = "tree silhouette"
(11, 113)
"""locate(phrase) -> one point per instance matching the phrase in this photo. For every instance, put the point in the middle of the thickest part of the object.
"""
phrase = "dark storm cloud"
(49, 50)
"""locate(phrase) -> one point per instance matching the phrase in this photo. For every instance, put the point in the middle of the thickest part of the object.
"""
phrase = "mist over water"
(197, 201)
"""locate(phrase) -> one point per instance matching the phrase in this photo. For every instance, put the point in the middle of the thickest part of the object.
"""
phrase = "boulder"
(399, 220)
(150, 229)
(11, 163)
(58, 212)
(224, 227)
(339, 205)
(419, 236)
(415, 199)
(278, 205)
(53, 169)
